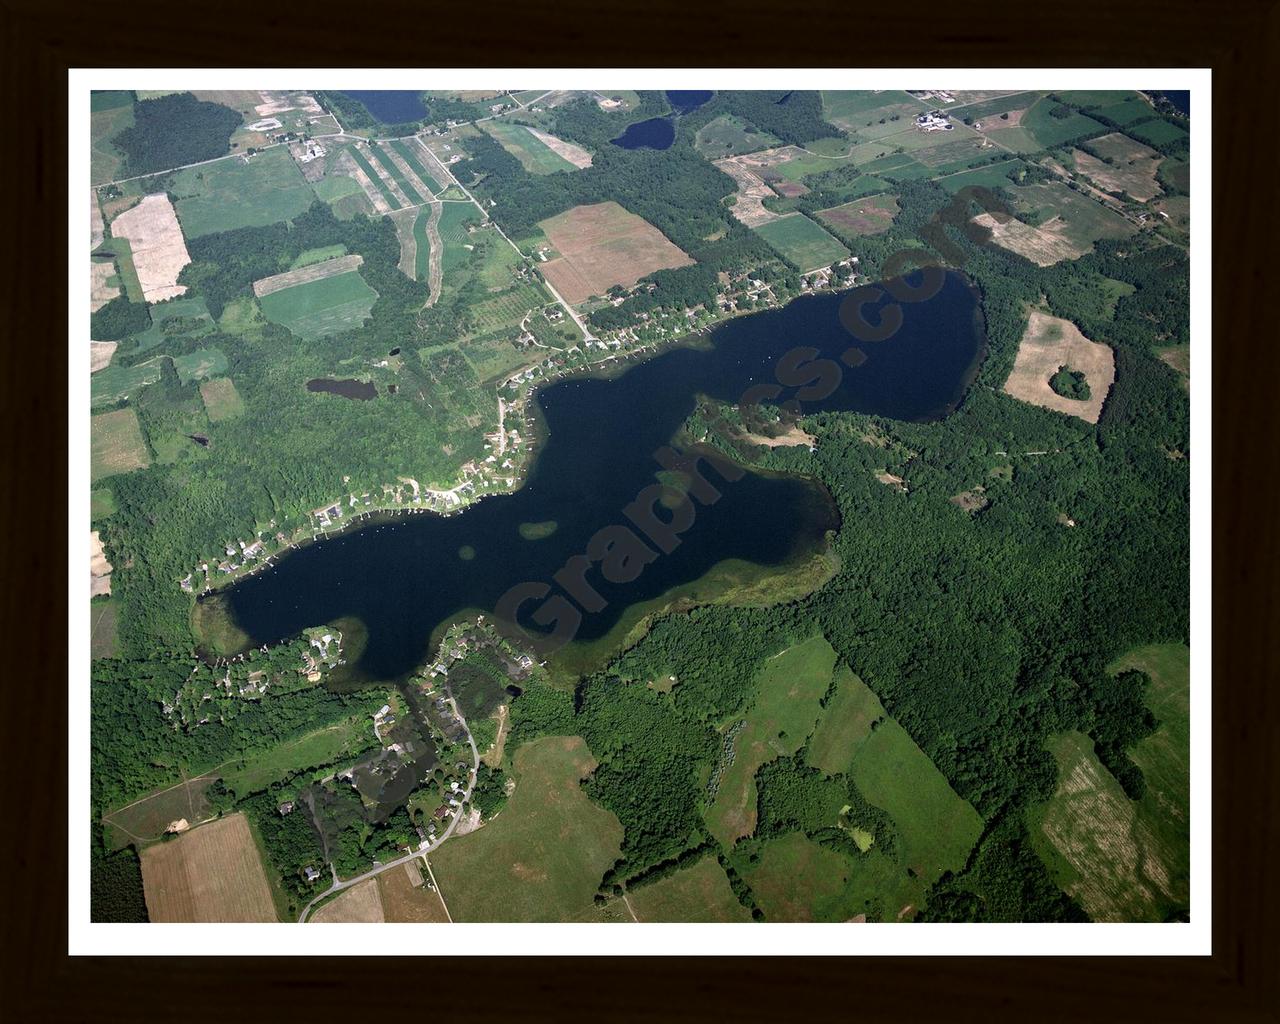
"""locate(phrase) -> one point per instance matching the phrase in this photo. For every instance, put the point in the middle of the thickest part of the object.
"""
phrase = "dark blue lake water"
(392, 106)
(687, 100)
(404, 576)
(655, 133)
(1180, 98)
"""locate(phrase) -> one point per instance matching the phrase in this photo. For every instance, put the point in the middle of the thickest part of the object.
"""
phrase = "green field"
(314, 750)
(109, 114)
(788, 690)
(802, 242)
(995, 106)
(232, 194)
(859, 113)
(416, 165)
(182, 317)
(1083, 220)
(101, 503)
(319, 308)
(1125, 112)
(534, 154)
(454, 220)
(396, 174)
(543, 857)
(337, 187)
(422, 244)
(116, 382)
(102, 628)
(1039, 129)
(845, 724)
(505, 309)
(116, 444)
(327, 252)
(728, 136)
(990, 176)
(693, 894)
(221, 399)
(1157, 133)
(205, 362)
(869, 216)
(125, 269)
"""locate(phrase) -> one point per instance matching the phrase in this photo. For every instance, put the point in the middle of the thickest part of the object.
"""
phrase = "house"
(310, 873)
(441, 812)
(285, 808)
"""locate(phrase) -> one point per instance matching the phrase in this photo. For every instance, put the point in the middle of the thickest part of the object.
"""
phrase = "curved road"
(338, 886)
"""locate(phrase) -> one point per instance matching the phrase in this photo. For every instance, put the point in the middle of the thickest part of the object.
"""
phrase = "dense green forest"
(115, 882)
(174, 130)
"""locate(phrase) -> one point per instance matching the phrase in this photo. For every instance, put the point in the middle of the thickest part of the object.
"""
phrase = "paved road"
(338, 886)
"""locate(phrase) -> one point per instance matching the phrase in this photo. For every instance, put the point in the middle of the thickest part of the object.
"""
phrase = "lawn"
(542, 857)
(729, 136)
(319, 308)
(786, 706)
(802, 242)
(232, 194)
(534, 155)
(317, 749)
(697, 894)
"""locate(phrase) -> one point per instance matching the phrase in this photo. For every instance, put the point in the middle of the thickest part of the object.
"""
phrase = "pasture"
(1157, 133)
(1038, 128)
(1048, 343)
(788, 689)
(534, 154)
(989, 107)
(455, 219)
(802, 242)
(238, 193)
(325, 252)
(543, 856)
(116, 383)
(322, 306)
(868, 216)
(728, 136)
(145, 820)
(989, 176)
(1064, 223)
(202, 363)
(221, 399)
(602, 245)
(317, 749)
(1124, 112)
(1120, 165)
(422, 242)
(116, 444)
(699, 893)
(110, 113)
(209, 874)
(361, 904)
(861, 113)
(845, 723)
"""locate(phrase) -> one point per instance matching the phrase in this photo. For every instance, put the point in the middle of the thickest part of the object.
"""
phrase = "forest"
(174, 130)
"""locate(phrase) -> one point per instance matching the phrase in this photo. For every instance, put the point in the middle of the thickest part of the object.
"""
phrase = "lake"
(392, 106)
(688, 99)
(401, 576)
(655, 133)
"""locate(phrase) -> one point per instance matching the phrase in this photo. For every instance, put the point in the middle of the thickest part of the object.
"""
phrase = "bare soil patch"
(603, 245)
(96, 227)
(159, 250)
(100, 353)
(100, 292)
(99, 567)
(990, 124)
(407, 897)
(868, 216)
(1133, 169)
(361, 904)
(305, 275)
(1044, 246)
(748, 172)
(1049, 343)
(792, 437)
(972, 500)
(345, 165)
(891, 480)
(211, 873)
(576, 155)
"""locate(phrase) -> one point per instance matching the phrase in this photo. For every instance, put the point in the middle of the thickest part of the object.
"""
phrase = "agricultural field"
(237, 192)
(802, 242)
(422, 241)
(1120, 165)
(504, 310)
(159, 252)
(109, 114)
(407, 897)
(116, 383)
(414, 154)
(992, 107)
(603, 245)
(1175, 217)
(870, 115)
(320, 305)
(103, 283)
(698, 893)
(1064, 223)
(534, 149)
(116, 444)
(455, 219)
(361, 904)
(212, 873)
(845, 724)
(388, 167)
(542, 857)
(729, 136)
(320, 255)
(1157, 133)
(344, 195)
(1048, 344)
(380, 190)
(788, 690)
(1037, 128)
(1123, 112)
(989, 176)
(868, 216)
(221, 399)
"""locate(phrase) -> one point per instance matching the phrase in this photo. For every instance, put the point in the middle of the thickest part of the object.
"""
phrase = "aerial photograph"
(637, 505)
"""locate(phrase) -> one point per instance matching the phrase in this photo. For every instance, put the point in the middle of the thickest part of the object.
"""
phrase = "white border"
(85, 938)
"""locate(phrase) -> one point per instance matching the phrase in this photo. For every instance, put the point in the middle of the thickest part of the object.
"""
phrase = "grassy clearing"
(117, 445)
(1064, 223)
(542, 858)
(728, 136)
(1125, 112)
(534, 155)
(845, 723)
(868, 216)
(860, 113)
(117, 383)
(698, 893)
(102, 628)
(205, 362)
(1040, 129)
(310, 256)
(101, 503)
(994, 106)
(182, 317)
(802, 242)
(315, 749)
(455, 218)
(221, 399)
(319, 308)
(936, 827)
(788, 690)
(110, 113)
(232, 194)
(1157, 133)
(422, 244)
(990, 176)
(126, 271)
